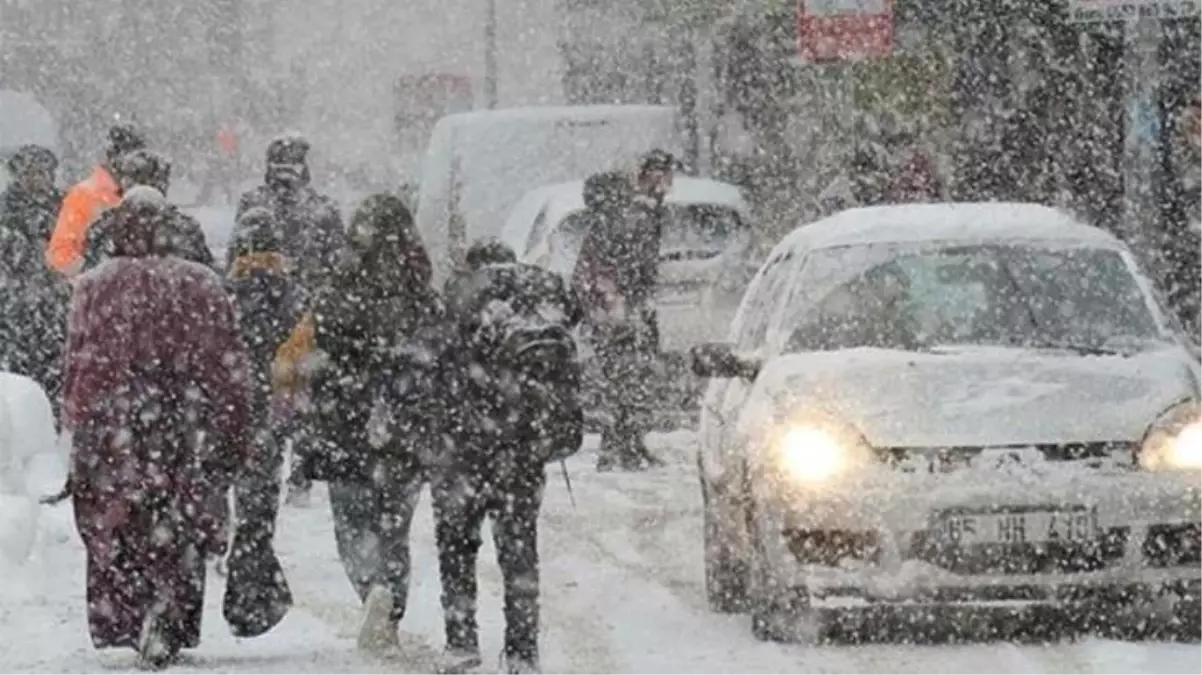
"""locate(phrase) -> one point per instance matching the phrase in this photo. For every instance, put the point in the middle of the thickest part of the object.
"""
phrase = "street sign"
(1092, 11)
(837, 30)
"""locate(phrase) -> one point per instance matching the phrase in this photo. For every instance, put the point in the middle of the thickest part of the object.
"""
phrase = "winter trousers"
(626, 371)
(371, 526)
(462, 500)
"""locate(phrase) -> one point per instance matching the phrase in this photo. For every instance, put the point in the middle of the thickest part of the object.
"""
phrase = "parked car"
(479, 164)
(709, 230)
(935, 411)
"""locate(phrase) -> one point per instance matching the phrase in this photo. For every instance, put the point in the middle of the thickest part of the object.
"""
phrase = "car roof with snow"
(565, 198)
(977, 222)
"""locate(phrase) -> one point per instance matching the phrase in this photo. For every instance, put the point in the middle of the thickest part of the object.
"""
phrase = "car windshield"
(1076, 298)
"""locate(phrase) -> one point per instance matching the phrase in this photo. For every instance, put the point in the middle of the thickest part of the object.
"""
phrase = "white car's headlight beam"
(1174, 442)
(813, 454)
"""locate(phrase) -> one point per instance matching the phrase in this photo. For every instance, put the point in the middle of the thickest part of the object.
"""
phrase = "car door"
(721, 455)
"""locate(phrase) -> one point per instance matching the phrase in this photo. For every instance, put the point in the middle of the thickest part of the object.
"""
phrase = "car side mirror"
(718, 359)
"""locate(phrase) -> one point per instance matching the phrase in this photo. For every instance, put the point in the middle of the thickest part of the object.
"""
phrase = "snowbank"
(26, 430)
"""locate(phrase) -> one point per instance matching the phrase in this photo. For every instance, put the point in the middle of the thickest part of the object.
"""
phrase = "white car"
(959, 407)
(708, 232)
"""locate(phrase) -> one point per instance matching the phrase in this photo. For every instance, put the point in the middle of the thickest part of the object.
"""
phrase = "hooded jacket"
(370, 327)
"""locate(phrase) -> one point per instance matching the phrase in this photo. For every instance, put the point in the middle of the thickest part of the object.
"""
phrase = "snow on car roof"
(935, 222)
(564, 198)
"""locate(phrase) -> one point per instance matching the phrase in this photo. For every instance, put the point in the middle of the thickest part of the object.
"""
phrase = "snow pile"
(26, 430)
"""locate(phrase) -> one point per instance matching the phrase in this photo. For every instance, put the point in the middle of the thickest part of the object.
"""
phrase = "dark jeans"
(461, 502)
(371, 525)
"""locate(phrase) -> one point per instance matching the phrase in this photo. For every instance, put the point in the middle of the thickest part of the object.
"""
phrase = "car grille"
(949, 459)
(1173, 545)
(1046, 558)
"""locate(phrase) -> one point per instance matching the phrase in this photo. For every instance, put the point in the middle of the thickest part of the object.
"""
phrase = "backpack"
(522, 340)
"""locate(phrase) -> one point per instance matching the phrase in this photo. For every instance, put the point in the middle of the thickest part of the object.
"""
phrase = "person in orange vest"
(87, 200)
(223, 167)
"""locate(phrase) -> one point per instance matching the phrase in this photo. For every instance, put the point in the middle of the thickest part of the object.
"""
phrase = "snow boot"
(518, 666)
(378, 631)
(459, 661)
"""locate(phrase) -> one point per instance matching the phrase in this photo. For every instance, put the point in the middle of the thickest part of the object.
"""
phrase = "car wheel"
(725, 574)
(778, 614)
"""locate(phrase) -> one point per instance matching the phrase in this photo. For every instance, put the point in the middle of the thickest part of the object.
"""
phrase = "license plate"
(1034, 526)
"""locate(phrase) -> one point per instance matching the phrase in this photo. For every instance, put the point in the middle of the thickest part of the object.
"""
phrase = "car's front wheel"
(725, 572)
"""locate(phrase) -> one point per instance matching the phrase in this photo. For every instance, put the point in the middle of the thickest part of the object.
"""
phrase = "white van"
(479, 164)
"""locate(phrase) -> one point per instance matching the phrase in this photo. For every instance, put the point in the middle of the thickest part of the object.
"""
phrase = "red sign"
(838, 30)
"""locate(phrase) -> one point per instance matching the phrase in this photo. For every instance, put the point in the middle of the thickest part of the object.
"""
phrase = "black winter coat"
(268, 307)
(377, 344)
(623, 249)
(312, 232)
(33, 299)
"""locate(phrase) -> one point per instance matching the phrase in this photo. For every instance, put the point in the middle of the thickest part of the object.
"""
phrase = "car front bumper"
(873, 542)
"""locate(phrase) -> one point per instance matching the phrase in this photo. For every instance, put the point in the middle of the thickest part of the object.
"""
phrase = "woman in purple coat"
(156, 396)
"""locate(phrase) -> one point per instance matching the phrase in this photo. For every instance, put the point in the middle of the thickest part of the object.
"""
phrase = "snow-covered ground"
(622, 592)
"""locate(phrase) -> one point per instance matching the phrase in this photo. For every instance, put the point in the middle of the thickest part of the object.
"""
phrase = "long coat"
(156, 395)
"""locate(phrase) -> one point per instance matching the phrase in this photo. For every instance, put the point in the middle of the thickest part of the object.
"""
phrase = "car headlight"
(813, 452)
(1174, 441)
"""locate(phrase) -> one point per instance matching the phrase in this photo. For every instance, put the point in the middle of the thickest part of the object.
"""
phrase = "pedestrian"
(87, 200)
(156, 400)
(312, 233)
(514, 384)
(377, 312)
(616, 277)
(221, 171)
(268, 307)
(182, 236)
(33, 300)
(312, 237)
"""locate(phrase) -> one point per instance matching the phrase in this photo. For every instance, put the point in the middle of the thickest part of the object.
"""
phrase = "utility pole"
(490, 53)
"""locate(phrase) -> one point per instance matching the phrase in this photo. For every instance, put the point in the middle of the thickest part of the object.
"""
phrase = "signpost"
(838, 30)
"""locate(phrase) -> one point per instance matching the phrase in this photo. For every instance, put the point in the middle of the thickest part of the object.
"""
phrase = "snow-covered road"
(622, 592)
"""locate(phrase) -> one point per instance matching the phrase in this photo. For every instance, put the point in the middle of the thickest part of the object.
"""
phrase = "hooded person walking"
(33, 300)
(375, 330)
(156, 399)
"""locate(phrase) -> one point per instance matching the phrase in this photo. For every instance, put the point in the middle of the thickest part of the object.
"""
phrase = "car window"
(761, 304)
(699, 230)
(538, 229)
(1010, 295)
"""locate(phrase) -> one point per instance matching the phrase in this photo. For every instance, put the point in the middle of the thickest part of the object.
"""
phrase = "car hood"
(981, 397)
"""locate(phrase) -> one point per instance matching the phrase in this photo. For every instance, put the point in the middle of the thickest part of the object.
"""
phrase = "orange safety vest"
(83, 204)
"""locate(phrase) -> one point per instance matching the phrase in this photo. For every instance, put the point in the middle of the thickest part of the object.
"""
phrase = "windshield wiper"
(1078, 347)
